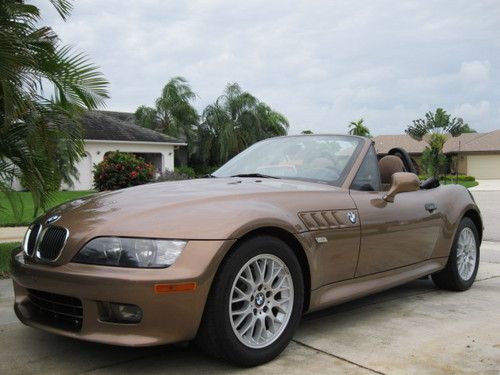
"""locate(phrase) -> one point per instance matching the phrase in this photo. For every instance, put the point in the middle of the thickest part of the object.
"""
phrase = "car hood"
(202, 209)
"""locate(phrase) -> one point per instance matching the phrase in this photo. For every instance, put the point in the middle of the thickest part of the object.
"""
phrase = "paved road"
(12, 234)
(415, 328)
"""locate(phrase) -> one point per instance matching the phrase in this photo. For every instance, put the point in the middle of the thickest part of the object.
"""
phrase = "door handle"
(430, 207)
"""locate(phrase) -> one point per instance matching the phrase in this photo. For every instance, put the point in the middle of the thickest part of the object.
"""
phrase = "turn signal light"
(167, 288)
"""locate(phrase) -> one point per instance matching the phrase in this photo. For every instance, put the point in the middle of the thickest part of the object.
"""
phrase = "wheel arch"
(296, 246)
(475, 216)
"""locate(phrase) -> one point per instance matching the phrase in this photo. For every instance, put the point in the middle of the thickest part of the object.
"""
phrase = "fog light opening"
(121, 313)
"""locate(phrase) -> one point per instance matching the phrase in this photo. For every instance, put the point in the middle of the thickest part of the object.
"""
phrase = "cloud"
(475, 72)
(321, 63)
(473, 111)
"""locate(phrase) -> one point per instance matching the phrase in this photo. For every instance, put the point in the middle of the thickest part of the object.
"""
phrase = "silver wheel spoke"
(242, 296)
(270, 323)
(249, 326)
(240, 319)
(261, 301)
(258, 330)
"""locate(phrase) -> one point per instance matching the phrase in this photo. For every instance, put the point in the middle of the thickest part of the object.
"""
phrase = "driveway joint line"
(337, 357)
(488, 278)
(104, 366)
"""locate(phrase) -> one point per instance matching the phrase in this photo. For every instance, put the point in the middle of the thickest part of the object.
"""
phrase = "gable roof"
(468, 142)
(474, 142)
(383, 143)
(120, 126)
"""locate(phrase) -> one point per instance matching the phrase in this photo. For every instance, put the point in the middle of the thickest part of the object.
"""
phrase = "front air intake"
(55, 310)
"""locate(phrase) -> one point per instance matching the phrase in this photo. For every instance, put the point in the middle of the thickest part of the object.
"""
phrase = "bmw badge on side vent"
(53, 219)
(352, 217)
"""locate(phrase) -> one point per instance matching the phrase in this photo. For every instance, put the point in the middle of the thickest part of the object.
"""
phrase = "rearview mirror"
(402, 182)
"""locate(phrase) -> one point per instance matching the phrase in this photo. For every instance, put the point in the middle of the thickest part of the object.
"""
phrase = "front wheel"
(463, 261)
(255, 303)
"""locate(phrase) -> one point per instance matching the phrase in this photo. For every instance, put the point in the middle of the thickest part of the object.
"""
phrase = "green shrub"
(460, 177)
(451, 177)
(172, 176)
(187, 171)
(120, 170)
(203, 170)
(466, 178)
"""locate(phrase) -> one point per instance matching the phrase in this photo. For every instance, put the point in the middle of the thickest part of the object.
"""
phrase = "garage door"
(484, 166)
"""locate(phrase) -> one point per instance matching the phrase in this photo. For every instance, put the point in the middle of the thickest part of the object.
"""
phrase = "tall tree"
(435, 129)
(173, 113)
(235, 121)
(40, 137)
(359, 128)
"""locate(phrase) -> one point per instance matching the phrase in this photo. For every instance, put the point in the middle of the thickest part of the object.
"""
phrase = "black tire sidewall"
(236, 351)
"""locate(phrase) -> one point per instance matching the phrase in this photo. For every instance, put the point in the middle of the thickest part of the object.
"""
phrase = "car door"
(393, 234)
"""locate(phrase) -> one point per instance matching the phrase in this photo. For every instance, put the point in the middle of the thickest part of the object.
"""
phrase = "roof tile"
(119, 126)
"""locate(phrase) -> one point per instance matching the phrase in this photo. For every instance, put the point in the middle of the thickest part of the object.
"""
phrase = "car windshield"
(323, 158)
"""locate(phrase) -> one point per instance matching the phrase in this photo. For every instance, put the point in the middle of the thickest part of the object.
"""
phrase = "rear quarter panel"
(453, 201)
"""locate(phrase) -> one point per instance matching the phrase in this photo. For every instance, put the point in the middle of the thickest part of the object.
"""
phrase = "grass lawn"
(467, 184)
(7, 216)
(5, 250)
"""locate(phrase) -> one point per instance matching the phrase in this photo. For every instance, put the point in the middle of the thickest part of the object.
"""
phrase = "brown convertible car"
(289, 226)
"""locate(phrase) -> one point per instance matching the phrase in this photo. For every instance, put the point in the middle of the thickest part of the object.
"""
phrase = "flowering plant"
(120, 170)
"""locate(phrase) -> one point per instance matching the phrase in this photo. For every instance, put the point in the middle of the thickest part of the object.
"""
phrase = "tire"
(236, 337)
(465, 246)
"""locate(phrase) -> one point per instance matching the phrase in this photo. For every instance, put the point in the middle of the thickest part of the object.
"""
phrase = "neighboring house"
(106, 131)
(473, 154)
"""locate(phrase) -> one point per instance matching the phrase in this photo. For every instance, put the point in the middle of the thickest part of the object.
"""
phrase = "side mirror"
(402, 182)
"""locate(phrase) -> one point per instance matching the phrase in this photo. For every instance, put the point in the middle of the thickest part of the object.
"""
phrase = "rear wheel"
(255, 303)
(463, 262)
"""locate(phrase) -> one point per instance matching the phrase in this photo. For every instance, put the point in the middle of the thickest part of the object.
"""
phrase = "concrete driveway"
(415, 328)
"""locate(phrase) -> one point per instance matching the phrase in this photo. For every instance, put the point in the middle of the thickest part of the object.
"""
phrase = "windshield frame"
(360, 141)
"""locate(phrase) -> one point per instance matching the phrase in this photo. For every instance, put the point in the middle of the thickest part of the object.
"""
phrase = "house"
(473, 154)
(107, 131)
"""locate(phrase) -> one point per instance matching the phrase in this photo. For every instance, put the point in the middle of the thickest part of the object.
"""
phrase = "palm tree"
(173, 113)
(272, 123)
(40, 137)
(235, 121)
(359, 128)
(468, 129)
(435, 129)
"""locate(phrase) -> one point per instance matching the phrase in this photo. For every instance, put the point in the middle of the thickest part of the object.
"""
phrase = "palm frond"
(63, 7)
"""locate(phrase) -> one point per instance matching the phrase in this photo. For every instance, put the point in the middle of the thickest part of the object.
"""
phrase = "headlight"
(130, 252)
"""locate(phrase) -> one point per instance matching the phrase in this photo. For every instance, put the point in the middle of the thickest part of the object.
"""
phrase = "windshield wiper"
(254, 175)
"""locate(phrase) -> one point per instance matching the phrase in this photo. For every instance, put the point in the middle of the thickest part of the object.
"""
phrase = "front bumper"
(167, 318)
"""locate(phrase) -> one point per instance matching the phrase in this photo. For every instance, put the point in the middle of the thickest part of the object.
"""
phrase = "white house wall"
(95, 151)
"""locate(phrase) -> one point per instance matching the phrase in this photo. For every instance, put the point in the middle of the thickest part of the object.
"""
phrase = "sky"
(320, 63)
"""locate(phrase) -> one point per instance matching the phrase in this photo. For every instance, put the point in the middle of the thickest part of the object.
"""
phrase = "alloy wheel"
(261, 301)
(466, 254)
